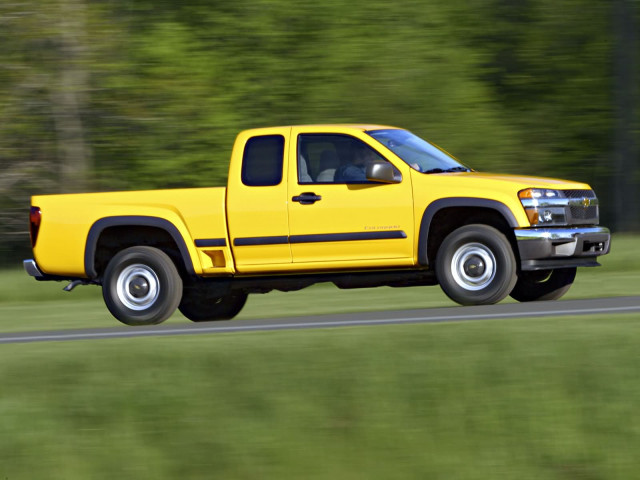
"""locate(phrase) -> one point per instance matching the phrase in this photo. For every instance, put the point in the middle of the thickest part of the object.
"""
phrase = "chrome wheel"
(138, 287)
(141, 286)
(473, 266)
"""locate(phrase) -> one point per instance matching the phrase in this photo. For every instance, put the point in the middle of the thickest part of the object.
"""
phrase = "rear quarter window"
(262, 161)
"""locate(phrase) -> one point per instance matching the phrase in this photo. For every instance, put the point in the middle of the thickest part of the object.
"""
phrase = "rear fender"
(134, 220)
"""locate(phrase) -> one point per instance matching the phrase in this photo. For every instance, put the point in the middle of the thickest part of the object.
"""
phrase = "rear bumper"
(31, 267)
(544, 248)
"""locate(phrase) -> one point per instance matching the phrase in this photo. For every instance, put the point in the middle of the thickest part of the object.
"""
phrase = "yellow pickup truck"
(359, 206)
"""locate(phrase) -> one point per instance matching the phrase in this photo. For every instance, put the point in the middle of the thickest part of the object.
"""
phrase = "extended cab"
(359, 206)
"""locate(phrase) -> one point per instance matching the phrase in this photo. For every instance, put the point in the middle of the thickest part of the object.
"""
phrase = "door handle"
(307, 198)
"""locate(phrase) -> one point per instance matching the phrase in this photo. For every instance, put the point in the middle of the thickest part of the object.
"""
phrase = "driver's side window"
(334, 158)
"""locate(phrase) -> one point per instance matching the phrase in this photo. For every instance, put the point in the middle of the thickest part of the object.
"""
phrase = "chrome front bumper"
(543, 248)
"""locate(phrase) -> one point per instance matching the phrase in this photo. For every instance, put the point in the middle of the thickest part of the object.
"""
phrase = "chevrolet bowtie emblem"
(586, 202)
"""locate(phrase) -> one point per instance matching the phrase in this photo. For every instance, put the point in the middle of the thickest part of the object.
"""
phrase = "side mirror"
(382, 172)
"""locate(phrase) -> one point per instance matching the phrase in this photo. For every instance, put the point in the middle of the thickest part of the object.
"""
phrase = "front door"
(337, 216)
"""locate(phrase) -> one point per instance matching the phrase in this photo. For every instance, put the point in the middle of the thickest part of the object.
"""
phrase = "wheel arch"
(451, 213)
(129, 230)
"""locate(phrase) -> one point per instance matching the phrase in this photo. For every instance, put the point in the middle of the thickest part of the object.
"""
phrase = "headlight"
(539, 194)
(544, 207)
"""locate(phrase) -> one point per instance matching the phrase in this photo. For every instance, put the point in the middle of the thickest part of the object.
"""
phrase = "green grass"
(527, 399)
(29, 305)
(552, 399)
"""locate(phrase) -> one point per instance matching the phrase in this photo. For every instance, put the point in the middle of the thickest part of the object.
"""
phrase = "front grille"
(579, 193)
(584, 213)
(580, 214)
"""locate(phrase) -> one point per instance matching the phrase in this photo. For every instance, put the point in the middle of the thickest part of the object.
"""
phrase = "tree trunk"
(68, 98)
(626, 177)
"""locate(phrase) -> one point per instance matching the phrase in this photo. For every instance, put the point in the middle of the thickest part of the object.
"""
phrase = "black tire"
(543, 284)
(203, 303)
(475, 265)
(141, 286)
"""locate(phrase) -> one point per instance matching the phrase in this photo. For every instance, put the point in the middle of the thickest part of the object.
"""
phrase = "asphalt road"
(612, 305)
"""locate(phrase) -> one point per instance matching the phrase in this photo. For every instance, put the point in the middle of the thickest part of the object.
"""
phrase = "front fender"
(437, 205)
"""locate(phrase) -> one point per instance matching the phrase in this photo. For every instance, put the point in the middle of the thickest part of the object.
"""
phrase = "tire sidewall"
(203, 305)
(168, 279)
(528, 289)
(505, 265)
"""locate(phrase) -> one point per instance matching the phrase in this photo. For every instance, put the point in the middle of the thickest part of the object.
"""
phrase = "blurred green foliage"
(130, 95)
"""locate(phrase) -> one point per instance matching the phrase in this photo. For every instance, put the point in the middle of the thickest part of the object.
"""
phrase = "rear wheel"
(205, 303)
(475, 265)
(543, 284)
(141, 286)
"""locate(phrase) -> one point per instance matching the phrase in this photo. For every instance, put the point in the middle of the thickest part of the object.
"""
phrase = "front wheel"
(475, 265)
(141, 286)
(543, 284)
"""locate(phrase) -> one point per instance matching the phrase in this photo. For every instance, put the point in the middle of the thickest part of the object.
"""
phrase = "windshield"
(416, 152)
